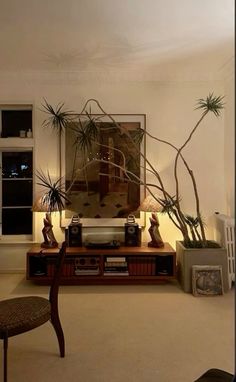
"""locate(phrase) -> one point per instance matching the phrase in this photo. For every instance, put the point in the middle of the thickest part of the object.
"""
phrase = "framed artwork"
(207, 280)
(101, 193)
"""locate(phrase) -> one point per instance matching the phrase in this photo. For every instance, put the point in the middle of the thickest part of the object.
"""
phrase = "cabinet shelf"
(145, 265)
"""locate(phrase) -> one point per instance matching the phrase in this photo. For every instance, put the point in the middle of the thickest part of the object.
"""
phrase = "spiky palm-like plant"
(58, 119)
(172, 205)
(52, 200)
(55, 197)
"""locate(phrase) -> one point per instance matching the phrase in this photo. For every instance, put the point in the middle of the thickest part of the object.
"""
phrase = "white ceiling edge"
(204, 67)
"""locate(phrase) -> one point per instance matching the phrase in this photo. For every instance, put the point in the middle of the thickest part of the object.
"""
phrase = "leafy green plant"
(192, 228)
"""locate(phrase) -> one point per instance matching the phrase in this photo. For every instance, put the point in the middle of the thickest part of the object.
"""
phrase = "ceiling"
(145, 39)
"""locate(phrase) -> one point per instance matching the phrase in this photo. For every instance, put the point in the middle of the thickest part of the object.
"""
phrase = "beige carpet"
(124, 334)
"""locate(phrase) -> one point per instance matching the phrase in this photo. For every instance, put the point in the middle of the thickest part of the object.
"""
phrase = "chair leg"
(5, 346)
(59, 332)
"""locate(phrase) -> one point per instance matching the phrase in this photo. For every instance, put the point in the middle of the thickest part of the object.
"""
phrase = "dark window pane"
(17, 193)
(17, 164)
(15, 120)
(17, 221)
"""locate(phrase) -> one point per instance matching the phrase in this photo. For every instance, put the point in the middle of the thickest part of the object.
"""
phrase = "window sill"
(16, 242)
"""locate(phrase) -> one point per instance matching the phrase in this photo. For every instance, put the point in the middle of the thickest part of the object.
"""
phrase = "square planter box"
(187, 257)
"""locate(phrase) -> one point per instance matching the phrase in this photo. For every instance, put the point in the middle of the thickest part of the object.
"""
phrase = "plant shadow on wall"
(87, 126)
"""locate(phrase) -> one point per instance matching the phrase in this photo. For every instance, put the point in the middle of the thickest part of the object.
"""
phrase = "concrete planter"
(187, 257)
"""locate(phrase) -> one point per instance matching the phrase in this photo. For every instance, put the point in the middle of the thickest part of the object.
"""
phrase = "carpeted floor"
(124, 334)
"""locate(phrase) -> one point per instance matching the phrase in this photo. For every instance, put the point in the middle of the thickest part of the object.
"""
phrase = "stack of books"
(116, 266)
(142, 266)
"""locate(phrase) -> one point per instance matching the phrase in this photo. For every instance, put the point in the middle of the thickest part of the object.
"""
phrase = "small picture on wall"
(207, 280)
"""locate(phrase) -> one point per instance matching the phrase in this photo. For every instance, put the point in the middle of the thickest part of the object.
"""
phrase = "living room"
(155, 59)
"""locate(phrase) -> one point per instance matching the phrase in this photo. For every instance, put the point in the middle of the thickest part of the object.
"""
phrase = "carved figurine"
(48, 235)
(154, 232)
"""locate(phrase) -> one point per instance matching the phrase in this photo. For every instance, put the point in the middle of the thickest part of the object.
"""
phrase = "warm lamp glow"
(42, 205)
(150, 204)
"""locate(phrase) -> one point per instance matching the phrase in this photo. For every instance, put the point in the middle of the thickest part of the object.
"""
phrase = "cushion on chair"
(18, 315)
(216, 375)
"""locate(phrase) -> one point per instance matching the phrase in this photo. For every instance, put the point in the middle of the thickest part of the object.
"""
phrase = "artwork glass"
(99, 189)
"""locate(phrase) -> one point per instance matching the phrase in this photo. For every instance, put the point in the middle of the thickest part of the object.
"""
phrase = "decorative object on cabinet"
(191, 227)
(150, 204)
(51, 201)
(22, 133)
(22, 314)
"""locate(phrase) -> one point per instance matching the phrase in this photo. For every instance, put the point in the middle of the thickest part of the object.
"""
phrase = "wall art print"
(207, 280)
(98, 188)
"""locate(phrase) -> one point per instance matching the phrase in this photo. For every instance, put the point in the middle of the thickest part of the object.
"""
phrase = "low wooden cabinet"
(123, 265)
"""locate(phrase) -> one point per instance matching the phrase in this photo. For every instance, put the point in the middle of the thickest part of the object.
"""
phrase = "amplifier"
(103, 244)
(87, 265)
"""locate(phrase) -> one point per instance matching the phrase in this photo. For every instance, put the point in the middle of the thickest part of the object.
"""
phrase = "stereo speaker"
(74, 235)
(132, 235)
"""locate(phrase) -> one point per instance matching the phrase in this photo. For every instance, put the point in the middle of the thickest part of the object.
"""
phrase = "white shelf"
(16, 142)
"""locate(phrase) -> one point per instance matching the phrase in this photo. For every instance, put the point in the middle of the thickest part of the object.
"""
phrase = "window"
(17, 192)
(16, 177)
(14, 121)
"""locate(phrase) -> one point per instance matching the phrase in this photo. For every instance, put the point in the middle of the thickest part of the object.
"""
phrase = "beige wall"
(229, 146)
(170, 115)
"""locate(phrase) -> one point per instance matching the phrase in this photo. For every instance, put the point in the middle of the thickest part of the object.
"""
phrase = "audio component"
(74, 233)
(99, 244)
(87, 265)
(132, 233)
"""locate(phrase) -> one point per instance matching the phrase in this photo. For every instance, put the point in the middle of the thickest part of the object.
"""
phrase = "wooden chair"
(19, 315)
(216, 375)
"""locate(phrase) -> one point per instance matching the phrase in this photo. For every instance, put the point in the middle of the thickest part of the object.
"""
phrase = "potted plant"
(87, 133)
(51, 200)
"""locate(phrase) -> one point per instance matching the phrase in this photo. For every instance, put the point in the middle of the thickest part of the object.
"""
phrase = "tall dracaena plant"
(58, 119)
(210, 104)
(88, 134)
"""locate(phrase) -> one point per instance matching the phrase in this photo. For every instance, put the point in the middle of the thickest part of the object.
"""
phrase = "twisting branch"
(87, 135)
(213, 104)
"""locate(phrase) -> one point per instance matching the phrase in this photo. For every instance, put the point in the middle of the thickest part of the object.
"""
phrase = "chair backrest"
(53, 294)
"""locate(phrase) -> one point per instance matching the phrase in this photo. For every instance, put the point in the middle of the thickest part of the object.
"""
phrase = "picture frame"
(98, 207)
(207, 280)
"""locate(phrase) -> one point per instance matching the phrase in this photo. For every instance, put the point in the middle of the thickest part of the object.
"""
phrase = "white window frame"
(14, 144)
